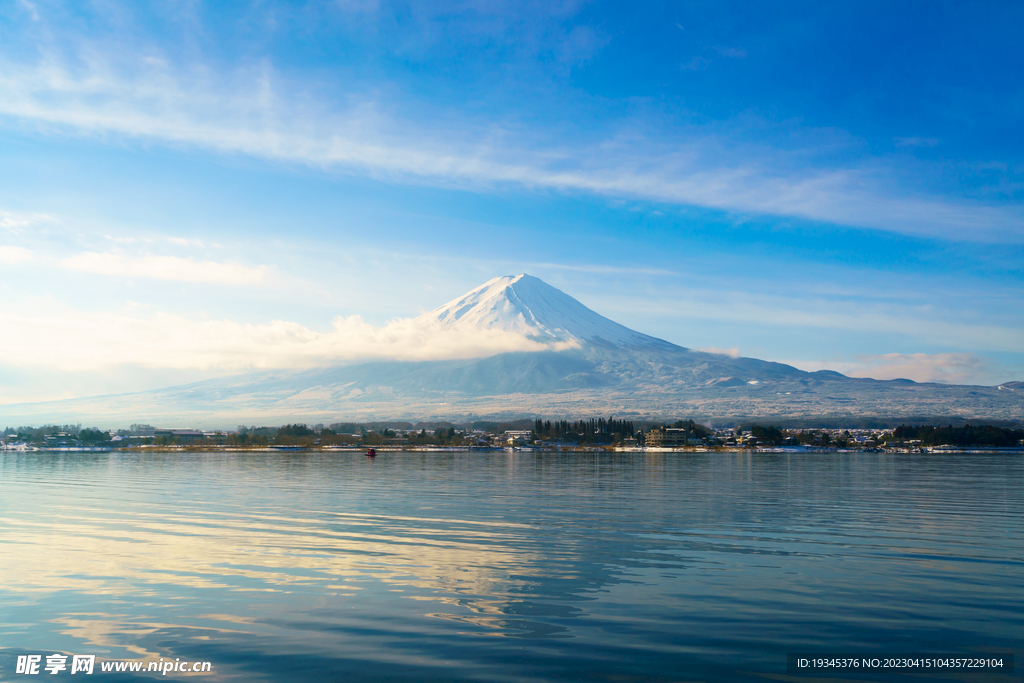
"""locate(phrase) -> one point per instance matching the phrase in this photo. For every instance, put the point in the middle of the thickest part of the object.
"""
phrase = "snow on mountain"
(529, 306)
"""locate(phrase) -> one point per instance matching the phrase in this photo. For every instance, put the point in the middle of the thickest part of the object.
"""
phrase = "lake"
(498, 566)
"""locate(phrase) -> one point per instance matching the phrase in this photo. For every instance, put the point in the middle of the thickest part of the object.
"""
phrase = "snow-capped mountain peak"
(529, 306)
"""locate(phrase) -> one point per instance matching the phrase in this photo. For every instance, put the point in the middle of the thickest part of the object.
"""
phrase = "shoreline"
(361, 450)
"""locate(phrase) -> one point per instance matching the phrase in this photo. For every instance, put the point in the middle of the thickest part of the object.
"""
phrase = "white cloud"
(13, 255)
(947, 368)
(252, 113)
(732, 353)
(165, 268)
(74, 341)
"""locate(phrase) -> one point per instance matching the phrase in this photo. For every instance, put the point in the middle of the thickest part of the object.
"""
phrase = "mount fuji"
(568, 361)
(529, 306)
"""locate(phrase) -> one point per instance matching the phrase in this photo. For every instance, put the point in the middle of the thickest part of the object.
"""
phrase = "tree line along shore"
(524, 433)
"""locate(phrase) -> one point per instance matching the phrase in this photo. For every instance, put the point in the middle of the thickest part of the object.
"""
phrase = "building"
(671, 438)
(217, 437)
(61, 439)
(517, 437)
(180, 435)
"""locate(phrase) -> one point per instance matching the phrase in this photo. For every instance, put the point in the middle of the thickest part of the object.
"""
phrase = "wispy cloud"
(255, 113)
(185, 242)
(696, 63)
(16, 222)
(789, 313)
(916, 142)
(947, 368)
(30, 8)
(165, 268)
(593, 268)
(732, 52)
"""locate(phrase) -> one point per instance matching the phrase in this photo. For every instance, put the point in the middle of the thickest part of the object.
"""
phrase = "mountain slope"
(531, 307)
(592, 365)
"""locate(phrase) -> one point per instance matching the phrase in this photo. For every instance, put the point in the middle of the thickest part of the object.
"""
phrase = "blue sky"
(193, 188)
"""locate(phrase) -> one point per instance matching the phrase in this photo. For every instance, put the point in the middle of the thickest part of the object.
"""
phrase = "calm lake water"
(508, 566)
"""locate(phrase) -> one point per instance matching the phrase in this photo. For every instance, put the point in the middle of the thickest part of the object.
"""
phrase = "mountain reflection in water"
(508, 566)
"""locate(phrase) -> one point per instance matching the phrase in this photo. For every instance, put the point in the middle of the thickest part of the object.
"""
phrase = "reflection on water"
(507, 567)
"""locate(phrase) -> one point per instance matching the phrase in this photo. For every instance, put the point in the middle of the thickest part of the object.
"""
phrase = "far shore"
(361, 450)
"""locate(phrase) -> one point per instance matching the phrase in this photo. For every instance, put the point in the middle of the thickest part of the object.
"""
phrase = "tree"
(93, 435)
(769, 435)
(295, 431)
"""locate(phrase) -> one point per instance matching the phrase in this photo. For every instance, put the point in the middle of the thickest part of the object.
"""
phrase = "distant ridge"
(586, 365)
